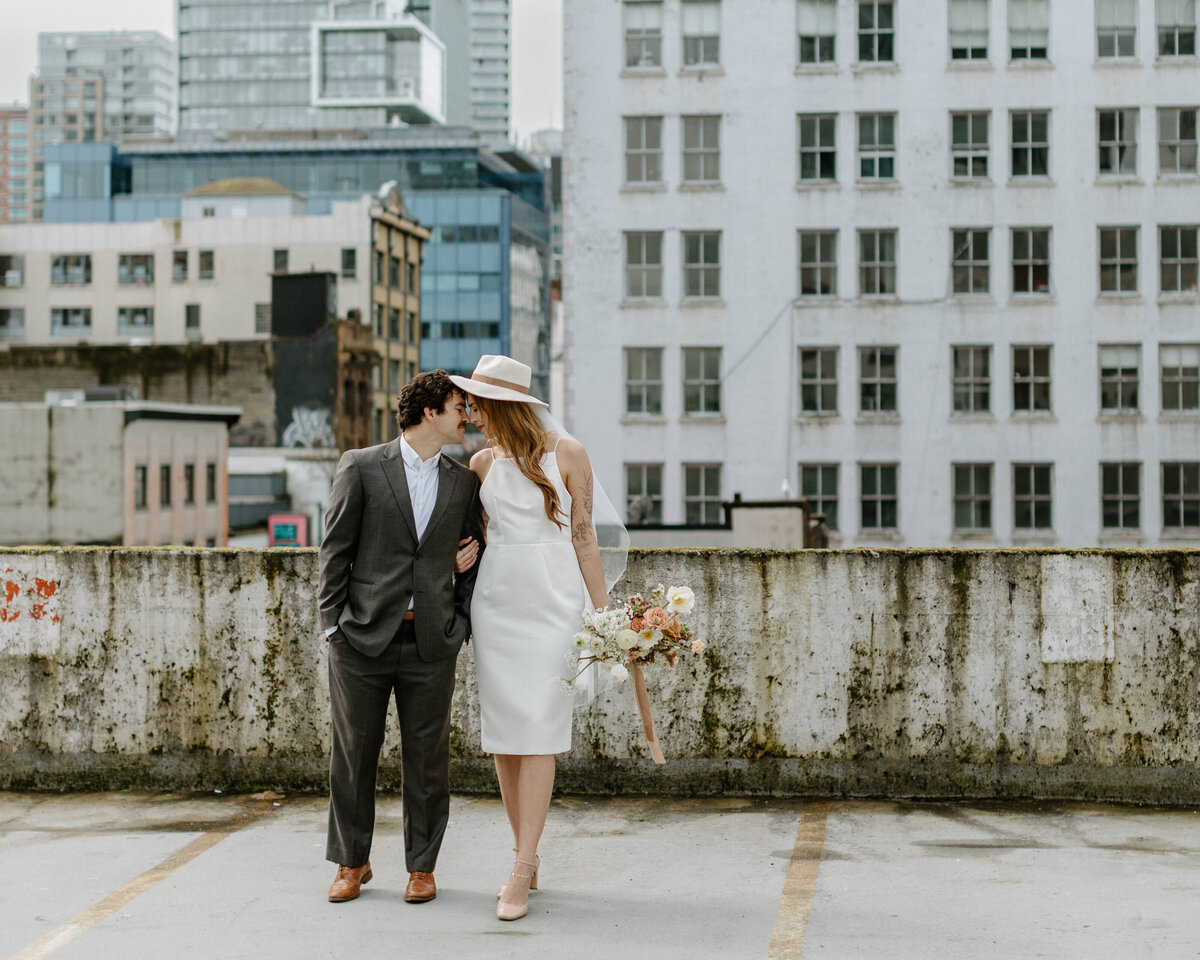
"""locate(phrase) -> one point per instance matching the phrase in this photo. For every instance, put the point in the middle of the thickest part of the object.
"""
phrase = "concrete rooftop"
(133, 875)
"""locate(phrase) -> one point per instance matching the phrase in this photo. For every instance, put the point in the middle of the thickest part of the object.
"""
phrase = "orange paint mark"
(54, 619)
(8, 616)
(45, 588)
(37, 611)
(11, 589)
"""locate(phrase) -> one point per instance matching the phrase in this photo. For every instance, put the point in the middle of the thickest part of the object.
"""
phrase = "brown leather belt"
(408, 615)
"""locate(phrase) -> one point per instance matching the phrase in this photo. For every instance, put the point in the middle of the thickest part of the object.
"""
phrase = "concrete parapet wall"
(997, 673)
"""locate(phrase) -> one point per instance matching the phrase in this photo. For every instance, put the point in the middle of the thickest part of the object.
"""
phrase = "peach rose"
(697, 646)
(657, 618)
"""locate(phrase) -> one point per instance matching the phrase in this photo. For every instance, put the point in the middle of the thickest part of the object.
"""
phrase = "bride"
(541, 566)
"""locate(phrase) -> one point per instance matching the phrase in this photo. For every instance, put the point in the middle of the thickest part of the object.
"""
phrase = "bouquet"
(636, 632)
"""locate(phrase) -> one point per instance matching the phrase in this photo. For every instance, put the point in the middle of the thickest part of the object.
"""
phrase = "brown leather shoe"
(348, 881)
(420, 887)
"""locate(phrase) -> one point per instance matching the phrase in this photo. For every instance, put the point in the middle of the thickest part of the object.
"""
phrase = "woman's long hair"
(515, 429)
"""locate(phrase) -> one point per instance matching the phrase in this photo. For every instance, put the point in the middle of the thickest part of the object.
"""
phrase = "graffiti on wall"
(26, 597)
(309, 428)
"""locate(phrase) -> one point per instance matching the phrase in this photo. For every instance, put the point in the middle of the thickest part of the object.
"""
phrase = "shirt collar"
(413, 459)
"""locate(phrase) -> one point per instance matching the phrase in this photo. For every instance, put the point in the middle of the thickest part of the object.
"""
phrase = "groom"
(395, 617)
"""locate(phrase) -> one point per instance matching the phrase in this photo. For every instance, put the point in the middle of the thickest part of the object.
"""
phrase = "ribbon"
(643, 702)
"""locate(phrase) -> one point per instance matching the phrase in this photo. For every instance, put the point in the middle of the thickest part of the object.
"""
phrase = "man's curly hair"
(433, 388)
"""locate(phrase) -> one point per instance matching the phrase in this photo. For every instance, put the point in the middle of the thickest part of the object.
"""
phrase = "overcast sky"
(536, 47)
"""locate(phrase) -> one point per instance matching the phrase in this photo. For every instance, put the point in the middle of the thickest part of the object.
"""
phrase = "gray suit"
(372, 565)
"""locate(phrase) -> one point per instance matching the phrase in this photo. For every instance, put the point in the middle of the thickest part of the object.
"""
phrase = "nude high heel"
(515, 911)
(532, 880)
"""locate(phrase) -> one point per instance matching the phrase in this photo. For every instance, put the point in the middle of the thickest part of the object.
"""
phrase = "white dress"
(525, 610)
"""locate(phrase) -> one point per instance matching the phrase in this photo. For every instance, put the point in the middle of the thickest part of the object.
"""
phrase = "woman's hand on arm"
(468, 553)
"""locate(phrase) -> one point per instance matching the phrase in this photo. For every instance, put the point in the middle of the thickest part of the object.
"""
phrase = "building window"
(876, 263)
(410, 328)
(1180, 378)
(1177, 140)
(378, 262)
(12, 270)
(1028, 29)
(71, 269)
(643, 149)
(972, 497)
(702, 264)
(819, 486)
(191, 320)
(394, 273)
(877, 146)
(377, 314)
(643, 493)
(208, 212)
(1181, 495)
(818, 263)
(210, 483)
(701, 22)
(643, 34)
(701, 380)
(643, 266)
(701, 149)
(1119, 378)
(969, 145)
(1031, 260)
(393, 368)
(205, 270)
(1116, 28)
(1031, 379)
(393, 323)
(71, 321)
(1178, 260)
(817, 20)
(970, 267)
(1176, 28)
(818, 381)
(139, 487)
(702, 494)
(968, 29)
(877, 379)
(1120, 495)
(189, 483)
(262, 318)
(1118, 260)
(1030, 143)
(135, 268)
(1117, 140)
(281, 261)
(1032, 500)
(134, 321)
(643, 380)
(818, 151)
(349, 263)
(972, 379)
(876, 31)
(164, 485)
(179, 265)
(877, 496)
(410, 271)
(12, 323)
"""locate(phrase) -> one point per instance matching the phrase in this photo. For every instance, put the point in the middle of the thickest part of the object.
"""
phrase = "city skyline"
(536, 49)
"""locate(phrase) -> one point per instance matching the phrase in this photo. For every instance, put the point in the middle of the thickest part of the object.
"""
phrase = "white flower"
(582, 639)
(649, 637)
(627, 639)
(596, 645)
(617, 673)
(680, 600)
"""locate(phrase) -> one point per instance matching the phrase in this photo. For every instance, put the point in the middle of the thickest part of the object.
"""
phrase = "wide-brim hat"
(499, 378)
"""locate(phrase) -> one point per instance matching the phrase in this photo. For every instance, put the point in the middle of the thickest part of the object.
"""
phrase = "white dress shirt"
(422, 476)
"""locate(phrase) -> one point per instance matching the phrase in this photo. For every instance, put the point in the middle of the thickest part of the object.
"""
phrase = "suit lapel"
(393, 470)
(446, 483)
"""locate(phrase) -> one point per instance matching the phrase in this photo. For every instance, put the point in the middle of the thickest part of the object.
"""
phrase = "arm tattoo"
(581, 510)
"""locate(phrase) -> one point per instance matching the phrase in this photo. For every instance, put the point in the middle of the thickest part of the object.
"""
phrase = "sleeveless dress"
(525, 610)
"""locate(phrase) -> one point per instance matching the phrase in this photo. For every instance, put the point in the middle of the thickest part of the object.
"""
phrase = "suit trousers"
(359, 690)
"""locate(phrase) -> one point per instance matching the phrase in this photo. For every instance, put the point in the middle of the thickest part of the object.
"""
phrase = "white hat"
(499, 378)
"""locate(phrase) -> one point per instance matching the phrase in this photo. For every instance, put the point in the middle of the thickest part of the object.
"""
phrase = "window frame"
(1120, 379)
(699, 51)
(643, 154)
(647, 36)
(1033, 498)
(1030, 148)
(970, 150)
(647, 387)
(971, 385)
(980, 503)
(1184, 379)
(707, 382)
(883, 404)
(705, 153)
(1121, 150)
(656, 500)
(819, 150)
(1033, 379)
(884, 271)
(819, 500)
(1179, 263)
(823, 271)
(823, 385)
(878, 497)
(971, 264)
(1187, 500)
(1117, 30)
(881, 38)
(819, 49)
(648, 272)
(1032, 262)
(1121, 470)
(706, 271)
(706, 500)
(1030, 51)
(1182, 34)
(877, 153)
(971, 52)
(1117, 264)
(1180, 145)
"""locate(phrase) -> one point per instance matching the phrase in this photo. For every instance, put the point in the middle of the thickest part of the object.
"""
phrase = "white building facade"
(933, 266)
(204, 277)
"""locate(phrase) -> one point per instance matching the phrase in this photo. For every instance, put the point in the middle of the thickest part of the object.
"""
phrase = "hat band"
(496, 382)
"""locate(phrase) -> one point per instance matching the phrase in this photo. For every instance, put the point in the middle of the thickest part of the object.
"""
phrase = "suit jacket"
(372, 562)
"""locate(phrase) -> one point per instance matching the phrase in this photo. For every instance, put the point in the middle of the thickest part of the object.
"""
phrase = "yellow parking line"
(791, 921)
(138, 885)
